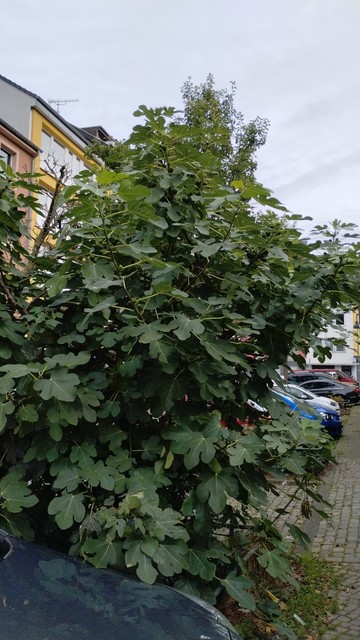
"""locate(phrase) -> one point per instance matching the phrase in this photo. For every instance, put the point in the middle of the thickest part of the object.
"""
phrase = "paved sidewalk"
(339, 539)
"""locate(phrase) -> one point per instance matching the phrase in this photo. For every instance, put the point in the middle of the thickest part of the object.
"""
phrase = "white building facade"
(343, 357)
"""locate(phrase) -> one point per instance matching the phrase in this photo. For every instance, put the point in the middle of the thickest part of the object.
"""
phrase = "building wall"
(41, 124)
(342, 358)
(60, 143)
(15, 108)
(21, 159)
(56, 149)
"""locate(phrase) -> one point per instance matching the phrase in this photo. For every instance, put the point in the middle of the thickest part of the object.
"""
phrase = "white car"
(307, 396)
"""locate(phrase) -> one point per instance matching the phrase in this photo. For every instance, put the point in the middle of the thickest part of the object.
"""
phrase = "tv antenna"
(60, 103)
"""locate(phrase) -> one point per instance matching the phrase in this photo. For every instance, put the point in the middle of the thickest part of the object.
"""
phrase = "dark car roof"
(322, 373)
(334, 384)
(342, 377)
(328, 381)
(49, 595)
(311, 373)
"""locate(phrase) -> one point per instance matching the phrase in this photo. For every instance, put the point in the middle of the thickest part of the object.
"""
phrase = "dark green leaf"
(67, 509)
(135, 557)
(183, 326)
(198, 563)
(6, 409)
(99, 474)
(103, 552)
(195, 444)
(216, 488)
(236, 587)
(275, 563)
(170, 558)
(15, 492)
(67, 479)
(60, 385)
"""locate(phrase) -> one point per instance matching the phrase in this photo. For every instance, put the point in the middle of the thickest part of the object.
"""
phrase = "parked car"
(330, 419)
(296, 377)
(308, 396)
(47, 595)
(349, 393)
(338, 375)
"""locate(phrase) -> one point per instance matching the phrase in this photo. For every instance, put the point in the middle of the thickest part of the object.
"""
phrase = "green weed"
(303, 612)
(316, 599)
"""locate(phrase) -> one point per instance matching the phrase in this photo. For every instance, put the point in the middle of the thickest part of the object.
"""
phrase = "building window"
(328, 344)
(340, 318)
(44, 199)
(57, 218)
(340, 347)
(346, 369)
(54, 155)
(5, 156)
(46, 143)
(333, 347)
(58, 153)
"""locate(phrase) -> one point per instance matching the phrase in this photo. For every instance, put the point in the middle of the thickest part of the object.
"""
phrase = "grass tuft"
(316, 599)
(303, 612)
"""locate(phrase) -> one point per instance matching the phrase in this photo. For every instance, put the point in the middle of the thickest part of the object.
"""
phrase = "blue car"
(330, 419)
(46, 595)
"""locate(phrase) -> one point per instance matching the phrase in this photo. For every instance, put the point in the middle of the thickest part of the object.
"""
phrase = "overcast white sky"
(295, 62)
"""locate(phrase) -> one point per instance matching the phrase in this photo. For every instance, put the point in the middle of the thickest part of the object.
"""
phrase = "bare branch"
(44, 232)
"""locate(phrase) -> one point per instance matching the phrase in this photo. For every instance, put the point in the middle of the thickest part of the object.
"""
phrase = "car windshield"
(298, 393)
(290, 391)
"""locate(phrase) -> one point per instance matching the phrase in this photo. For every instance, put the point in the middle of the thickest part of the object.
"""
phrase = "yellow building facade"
(60, 143)
(57, 149)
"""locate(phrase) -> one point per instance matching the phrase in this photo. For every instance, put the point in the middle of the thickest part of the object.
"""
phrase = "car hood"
(330, 411)
(47, 595)
(302, 408)
(326, 403)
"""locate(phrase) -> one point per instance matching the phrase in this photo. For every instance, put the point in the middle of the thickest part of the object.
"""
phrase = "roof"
(78, 132)
(98, 132)
(18, 135)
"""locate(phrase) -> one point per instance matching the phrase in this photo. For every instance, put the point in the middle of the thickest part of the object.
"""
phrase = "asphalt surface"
(338, 538)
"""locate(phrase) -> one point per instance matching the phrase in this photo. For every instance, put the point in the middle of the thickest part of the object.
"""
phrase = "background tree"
(128, 354)
(216, 126)
(221, 128)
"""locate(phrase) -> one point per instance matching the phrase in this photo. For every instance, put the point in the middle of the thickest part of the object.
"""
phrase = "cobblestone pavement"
(338, 539)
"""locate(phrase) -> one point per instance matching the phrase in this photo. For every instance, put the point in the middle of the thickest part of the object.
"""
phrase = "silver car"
(307, 396)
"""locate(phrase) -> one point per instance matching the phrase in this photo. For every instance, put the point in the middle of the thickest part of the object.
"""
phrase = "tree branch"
(9, 296)
(40, 238)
